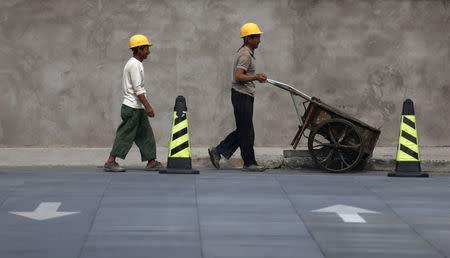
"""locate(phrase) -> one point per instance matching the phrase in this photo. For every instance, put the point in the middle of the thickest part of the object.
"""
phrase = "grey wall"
(61, 64)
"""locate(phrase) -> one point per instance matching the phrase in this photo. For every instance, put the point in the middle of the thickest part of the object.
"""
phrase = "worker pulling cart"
(337, 142)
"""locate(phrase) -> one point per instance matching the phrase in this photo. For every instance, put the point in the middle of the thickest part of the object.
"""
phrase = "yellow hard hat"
(250, 29)
(139, 40)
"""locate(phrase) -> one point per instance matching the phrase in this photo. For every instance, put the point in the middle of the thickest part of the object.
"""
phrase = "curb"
(374, 164)
(290, 159)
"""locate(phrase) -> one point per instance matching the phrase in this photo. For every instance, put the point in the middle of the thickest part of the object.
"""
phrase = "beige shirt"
(133, 83)
(244, 60)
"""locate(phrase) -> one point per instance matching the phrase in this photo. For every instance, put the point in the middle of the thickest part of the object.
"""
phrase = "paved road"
(278, 214)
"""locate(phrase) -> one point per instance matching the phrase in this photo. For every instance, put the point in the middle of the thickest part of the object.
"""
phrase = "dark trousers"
(244, 135)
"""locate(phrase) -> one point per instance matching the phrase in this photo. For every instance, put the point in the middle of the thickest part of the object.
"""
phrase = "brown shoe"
(254, 168)
(113, 167)
(154, 166)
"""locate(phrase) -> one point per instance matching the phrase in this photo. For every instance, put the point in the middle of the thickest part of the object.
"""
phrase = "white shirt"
(133, 83)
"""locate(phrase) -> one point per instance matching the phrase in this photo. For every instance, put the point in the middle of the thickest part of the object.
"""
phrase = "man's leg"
(229, 145)
(226, 148)
(243, 113)
(145, 139)
(126, 132)
(123, 140)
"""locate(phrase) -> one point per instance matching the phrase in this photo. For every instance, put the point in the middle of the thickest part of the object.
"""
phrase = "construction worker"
(135, 126)
(242, 96)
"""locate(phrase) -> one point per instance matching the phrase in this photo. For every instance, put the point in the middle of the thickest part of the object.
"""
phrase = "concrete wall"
(61, 64)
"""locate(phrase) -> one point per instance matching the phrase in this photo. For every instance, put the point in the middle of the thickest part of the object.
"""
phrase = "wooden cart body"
(317, 112)
(333, 126)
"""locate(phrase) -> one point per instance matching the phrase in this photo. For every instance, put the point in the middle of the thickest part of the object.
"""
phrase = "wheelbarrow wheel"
(335, 145)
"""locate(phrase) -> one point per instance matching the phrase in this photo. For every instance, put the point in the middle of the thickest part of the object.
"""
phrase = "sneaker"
(214, 156)
(254, 168)
(113, 167)
(154, 166)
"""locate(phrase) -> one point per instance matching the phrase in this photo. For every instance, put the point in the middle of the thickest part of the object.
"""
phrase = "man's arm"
(147, 106)
(242, 77)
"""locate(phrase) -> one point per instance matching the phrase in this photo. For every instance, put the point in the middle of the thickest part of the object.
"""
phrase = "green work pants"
(134, 128)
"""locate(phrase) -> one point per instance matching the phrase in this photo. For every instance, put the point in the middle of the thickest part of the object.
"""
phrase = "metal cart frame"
(337, 142)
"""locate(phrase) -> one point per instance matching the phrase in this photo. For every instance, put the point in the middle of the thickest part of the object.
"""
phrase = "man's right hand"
(150, 111)
(261, 77)
(148, 108)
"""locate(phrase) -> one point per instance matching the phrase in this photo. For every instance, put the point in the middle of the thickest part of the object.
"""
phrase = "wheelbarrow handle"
(289, 88)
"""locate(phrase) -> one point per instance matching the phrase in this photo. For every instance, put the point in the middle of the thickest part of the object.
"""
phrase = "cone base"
(407, 174)
(183, 163)
(407, 169)
(179, 166)
(178, 171)
(408, 166)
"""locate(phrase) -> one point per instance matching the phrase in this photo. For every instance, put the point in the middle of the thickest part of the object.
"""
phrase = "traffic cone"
(179, 160)
(408, 159)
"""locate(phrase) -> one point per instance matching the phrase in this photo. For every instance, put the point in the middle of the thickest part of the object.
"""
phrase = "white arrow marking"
(45, 210)
(348, 214)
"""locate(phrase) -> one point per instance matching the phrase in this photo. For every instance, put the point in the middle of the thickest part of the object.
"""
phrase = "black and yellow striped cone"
(408, 158)
(179, 160)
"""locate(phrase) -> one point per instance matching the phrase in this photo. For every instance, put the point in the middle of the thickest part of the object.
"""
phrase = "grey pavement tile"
(78, 223)
(144, 200)
(5, 193)
(240, 199)
(9, 181)
(382, 236)
(419, 193)
(142, 214)
(315, 192)
(86, 206)
(422, 204)
(151, 185)
(57, 237)
(239, 191)
(245, 208)
(274, 246)
(40, 244)
(421, 214)
(436, 234)
(250, 217)
(309, 202)
(146, 218)
(391, 186)
(149, 205)
(60, 187)
(431, 223)
(256, 236)
(154, 192)
(151, 177)
(321, 185)
(247, 228)
(249, 188)
(148, 244)
(380, 251)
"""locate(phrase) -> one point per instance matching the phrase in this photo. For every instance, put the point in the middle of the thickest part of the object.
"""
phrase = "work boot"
(214, 156)
(254, 168)
(113, 167)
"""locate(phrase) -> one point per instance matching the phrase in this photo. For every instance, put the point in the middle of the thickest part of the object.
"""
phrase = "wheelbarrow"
(337, 142)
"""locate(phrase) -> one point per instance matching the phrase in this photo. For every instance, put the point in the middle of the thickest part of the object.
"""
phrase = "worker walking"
(242, 96)
(135, 126)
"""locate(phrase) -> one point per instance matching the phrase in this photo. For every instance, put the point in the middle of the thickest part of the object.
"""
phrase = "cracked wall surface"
(61, 65)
